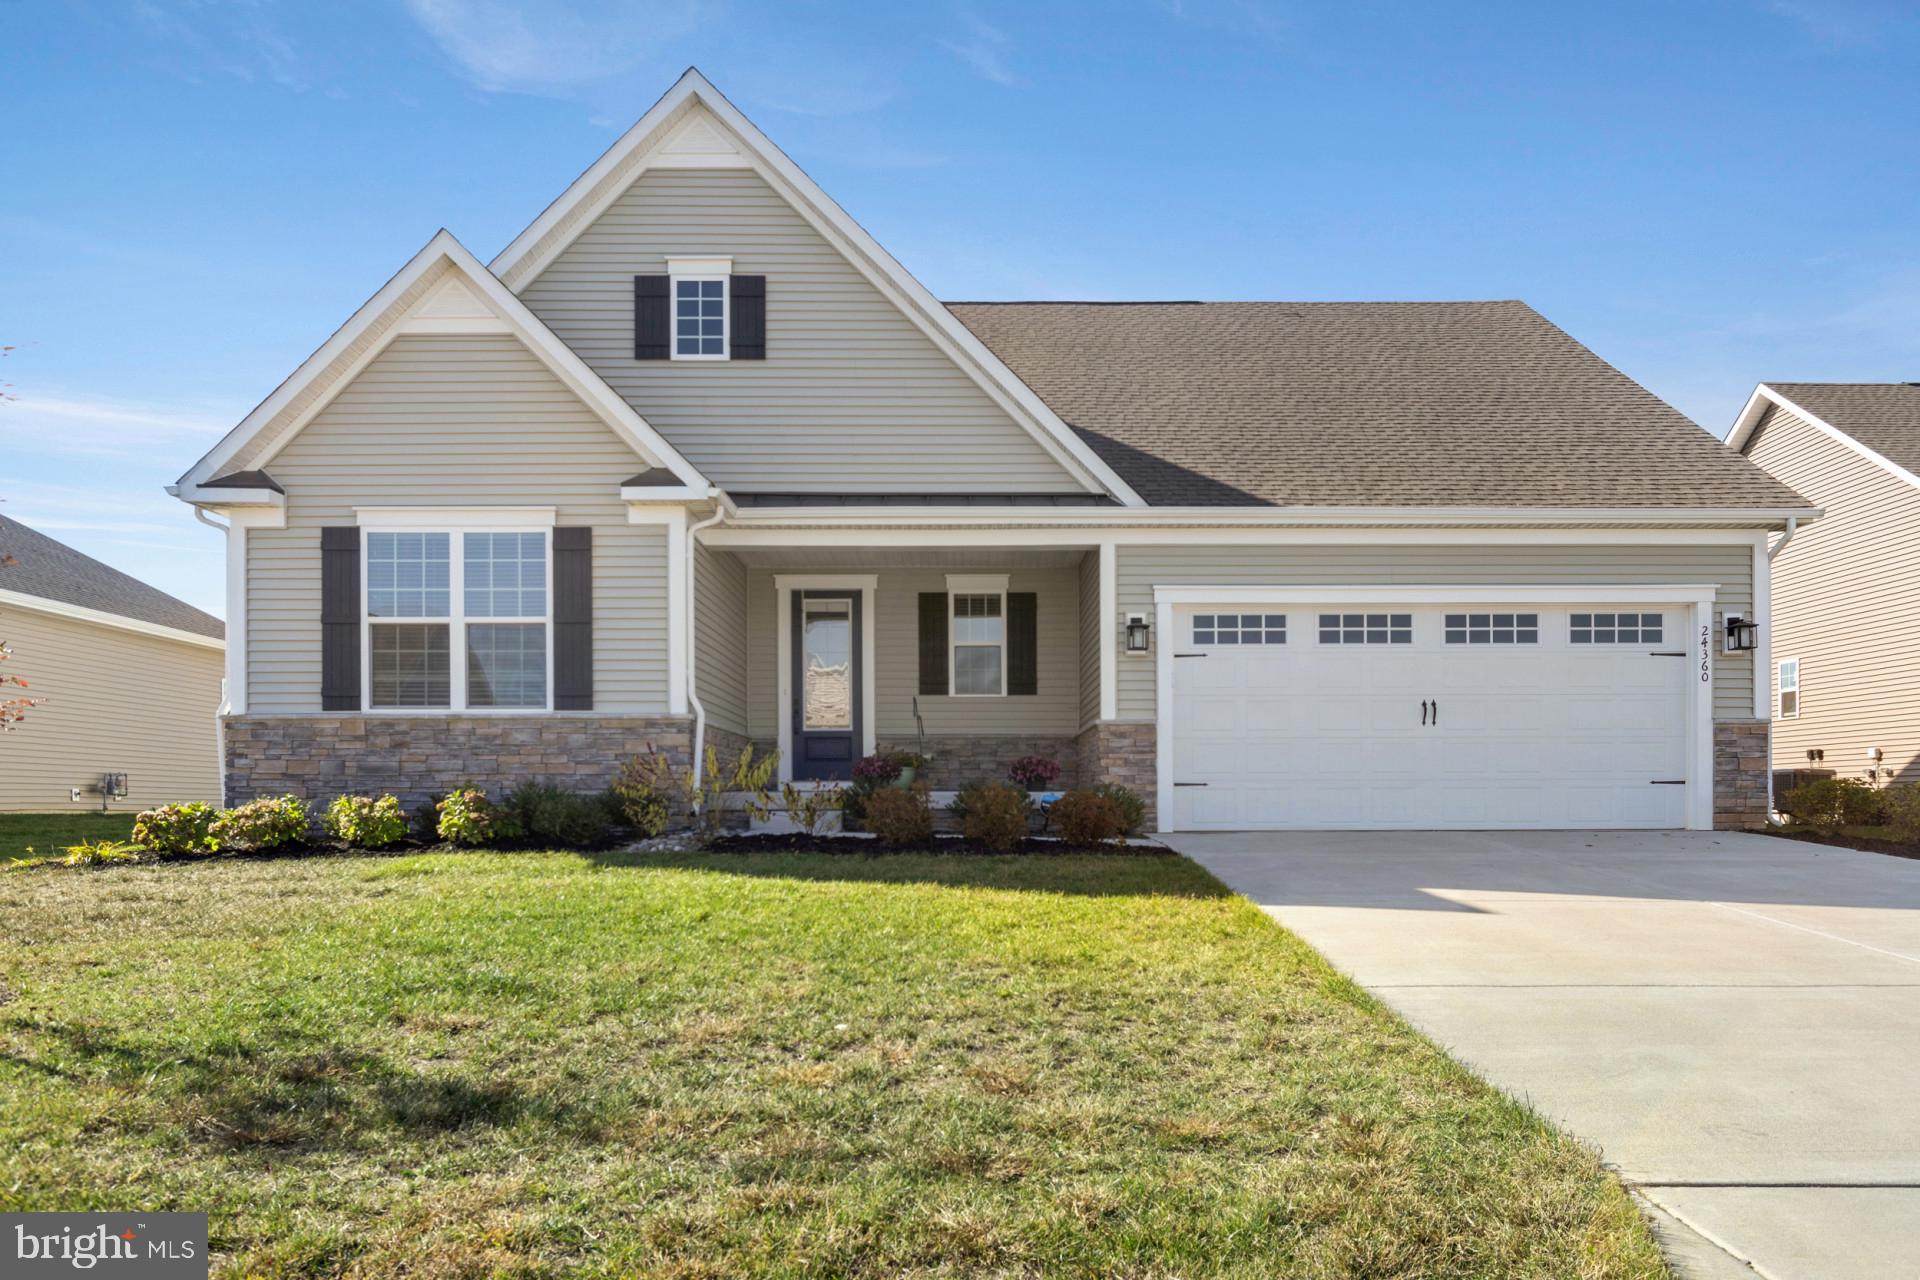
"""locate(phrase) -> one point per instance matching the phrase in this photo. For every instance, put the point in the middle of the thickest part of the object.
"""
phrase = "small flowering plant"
(876, 770)
(1035, 773)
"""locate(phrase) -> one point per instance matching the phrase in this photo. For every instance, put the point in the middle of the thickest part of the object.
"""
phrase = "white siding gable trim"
(521, 262)
(1765, 397)
(454, 306)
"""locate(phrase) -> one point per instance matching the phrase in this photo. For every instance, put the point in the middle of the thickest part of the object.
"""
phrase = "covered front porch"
(970, 656)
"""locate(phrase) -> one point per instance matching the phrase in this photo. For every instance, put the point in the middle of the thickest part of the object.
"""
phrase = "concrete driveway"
(1734, 1020)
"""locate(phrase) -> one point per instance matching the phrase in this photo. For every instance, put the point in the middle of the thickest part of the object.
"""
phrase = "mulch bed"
(801, 842)
(1865, 844)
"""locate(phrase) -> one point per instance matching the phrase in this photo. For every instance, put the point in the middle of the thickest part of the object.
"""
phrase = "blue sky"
(1708, 192)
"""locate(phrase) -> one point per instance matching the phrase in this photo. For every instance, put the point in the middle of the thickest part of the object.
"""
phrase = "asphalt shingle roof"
(1398, 404)
(1884, 416)
(54, 571)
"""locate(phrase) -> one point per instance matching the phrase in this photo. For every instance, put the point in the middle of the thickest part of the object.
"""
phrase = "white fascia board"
(99, 617)
(520, 264)
(1765, 397)
(1254, 517)
(1087, 536)
(1472, 593)
(510, 316)
(678, 494)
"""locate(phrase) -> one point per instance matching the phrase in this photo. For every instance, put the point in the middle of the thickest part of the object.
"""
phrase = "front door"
(826, 683)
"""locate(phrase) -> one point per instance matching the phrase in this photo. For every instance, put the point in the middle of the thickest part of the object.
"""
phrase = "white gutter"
(693, 698)
(1258, 516)
(1793, 526)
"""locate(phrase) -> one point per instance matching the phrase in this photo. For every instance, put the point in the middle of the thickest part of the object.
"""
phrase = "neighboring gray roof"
(244, 480)
(1422, 404)
(54, 571)
(1884, 416)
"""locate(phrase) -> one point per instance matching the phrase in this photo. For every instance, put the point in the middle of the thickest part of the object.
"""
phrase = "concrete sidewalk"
(1734, 1020)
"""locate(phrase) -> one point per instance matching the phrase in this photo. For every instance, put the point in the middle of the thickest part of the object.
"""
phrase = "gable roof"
(50, 571)
(1882, 418)
(442, 289)
(1362, 404)
(694, 126)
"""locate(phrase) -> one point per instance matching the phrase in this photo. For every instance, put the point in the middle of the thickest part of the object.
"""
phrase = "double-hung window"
(458, 619)
(1789, 688)
(977, 609)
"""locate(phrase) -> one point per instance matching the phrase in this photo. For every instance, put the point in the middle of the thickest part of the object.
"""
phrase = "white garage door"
(1322, 718)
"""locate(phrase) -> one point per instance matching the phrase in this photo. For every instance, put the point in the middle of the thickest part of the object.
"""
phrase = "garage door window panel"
(1366, 628)
(1239, 628)
(1493, 628)
(1617, 628)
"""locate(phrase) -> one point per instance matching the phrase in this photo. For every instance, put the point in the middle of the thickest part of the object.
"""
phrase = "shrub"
(900, 816)
(98, 853)
(1133, 809)
(266, 823)
(994, 814)
(644, 791)
(1035, 773)
(1902, 804)
(177, 830)
(1828, 804)
(809, 807)
(1086, 817)
(553, 815)
(467, 817)
(749, 777)
(366, 823)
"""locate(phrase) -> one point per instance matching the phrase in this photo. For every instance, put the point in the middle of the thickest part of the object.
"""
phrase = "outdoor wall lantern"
(1137, 633)
(1741, 634)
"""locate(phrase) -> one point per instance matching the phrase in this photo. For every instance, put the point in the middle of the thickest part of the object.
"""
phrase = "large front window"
(452, 633)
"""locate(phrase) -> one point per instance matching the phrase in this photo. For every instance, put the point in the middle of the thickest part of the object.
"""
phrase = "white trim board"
(670, 120)
(1698, 599)
(1765, 397)
(100, 617)
(784, 585)
(1088, 536)
(508, 315)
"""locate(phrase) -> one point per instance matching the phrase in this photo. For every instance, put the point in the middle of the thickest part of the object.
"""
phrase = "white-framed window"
(458, 619)
(1493, 628)
(1239, 628)
(1789, 700)
(1617, 628)
(1366, 628)
(699, 317)
(977, 635)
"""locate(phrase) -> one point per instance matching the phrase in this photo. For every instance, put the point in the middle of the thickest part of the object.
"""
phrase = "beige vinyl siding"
(1053, 710)
(116, 702)
(720, 641)
(1090, 638)
(456, 421)
(852, 396)
(1846, 602)
(1141, 568)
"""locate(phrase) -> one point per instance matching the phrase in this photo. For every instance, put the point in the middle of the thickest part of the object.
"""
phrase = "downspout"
(693, 595)
(226, 695)
(1793, 526)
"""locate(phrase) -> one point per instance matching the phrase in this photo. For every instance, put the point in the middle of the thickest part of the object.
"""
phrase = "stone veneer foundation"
(1122, 751)
(955, 761)
(418, 757)
(1740, 767)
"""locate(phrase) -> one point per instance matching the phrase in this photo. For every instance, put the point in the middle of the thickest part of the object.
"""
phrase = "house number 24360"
(1706, 652)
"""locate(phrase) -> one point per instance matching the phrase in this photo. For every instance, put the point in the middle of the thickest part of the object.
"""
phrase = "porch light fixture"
(1741, 634)
(1137, 633)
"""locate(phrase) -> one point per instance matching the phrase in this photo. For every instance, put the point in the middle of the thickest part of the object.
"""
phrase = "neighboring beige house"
(695, 460)
(128, 680)
(1846, 665)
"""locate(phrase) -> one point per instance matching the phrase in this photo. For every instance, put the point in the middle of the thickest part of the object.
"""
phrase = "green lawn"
(24, 835)
(456, 1065)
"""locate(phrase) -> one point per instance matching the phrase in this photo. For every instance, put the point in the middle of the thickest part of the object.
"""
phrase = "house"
(695, 460)
(1845, 675)
(126, 678)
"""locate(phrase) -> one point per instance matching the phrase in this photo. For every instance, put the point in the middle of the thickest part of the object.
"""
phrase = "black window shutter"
(1023, 642)
(340, 618)
(652, 318)
(747, 305)
(573, 618)
(933, 642)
